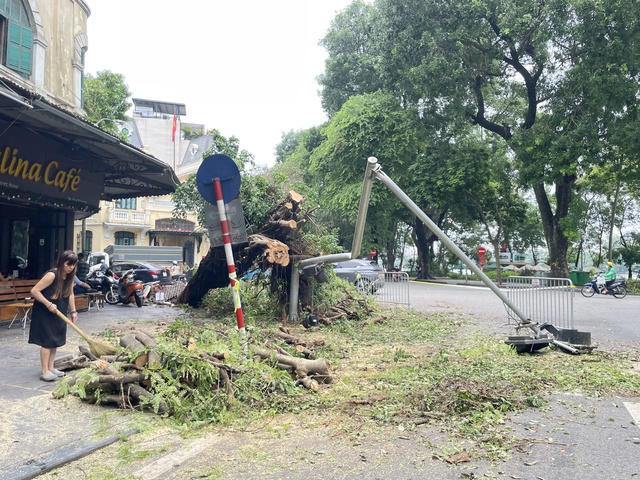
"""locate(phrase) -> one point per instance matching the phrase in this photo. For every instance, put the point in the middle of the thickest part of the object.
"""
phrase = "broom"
(97, 348)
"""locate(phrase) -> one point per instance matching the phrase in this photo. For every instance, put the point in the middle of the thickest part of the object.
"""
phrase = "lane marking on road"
(160, 467)
(455, 285)
(634, 410)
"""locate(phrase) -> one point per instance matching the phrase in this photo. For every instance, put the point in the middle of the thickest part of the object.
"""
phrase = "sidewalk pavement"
(38, 432)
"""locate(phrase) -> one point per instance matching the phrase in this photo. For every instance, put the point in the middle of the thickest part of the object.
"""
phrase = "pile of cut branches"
(349, 308)
(195, 371)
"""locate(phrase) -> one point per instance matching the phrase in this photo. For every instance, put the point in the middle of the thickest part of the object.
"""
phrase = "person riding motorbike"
(610, 276)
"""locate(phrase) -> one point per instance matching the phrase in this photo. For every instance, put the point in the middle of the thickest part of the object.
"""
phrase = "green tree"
(231, 148)
(369, 125)
(106, 99)
(556, 80)
(288, 144)
(351, 68)
(629, 253)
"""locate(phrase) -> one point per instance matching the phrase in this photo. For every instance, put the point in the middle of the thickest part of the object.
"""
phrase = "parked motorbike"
(130, 290)
(617, 289)
(105, 282)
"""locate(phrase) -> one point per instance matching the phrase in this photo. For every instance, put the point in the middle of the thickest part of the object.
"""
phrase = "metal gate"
(395, 288)
(543, 300)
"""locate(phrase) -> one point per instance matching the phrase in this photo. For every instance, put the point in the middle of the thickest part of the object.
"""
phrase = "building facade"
(155, 127)
(55, 167)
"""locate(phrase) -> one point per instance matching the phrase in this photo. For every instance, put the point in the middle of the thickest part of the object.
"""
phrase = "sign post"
(231, 266)
(221, 171)
(482, 256)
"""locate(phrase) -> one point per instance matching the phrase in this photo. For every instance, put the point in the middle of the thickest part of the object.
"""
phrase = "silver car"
(368, 276)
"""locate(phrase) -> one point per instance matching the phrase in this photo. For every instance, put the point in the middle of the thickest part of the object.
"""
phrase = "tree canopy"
(106, 98)
(556, 80)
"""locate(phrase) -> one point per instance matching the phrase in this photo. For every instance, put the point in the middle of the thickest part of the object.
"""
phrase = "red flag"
(173, 128)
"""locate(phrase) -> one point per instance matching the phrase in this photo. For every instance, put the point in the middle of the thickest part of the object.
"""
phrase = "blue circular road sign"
(225, 169)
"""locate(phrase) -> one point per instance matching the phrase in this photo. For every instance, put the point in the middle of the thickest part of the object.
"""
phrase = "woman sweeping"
(53, 293)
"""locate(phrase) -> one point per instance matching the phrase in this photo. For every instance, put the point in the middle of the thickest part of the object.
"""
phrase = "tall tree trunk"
(614, 205)
(423, 243)
(496, 250)
(424, 240)
(556, 239)
(579, 253)
(391, 245)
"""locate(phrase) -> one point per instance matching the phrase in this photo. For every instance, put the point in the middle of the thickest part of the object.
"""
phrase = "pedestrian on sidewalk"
(53, 293)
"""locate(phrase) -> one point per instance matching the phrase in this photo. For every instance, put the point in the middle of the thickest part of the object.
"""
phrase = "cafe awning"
(129, 172)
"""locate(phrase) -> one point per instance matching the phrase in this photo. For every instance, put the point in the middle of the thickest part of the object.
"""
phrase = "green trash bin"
(584, 278)
(579, 277)
(573, 275)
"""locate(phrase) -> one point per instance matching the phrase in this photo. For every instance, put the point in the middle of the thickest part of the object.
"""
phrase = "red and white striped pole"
(235, 285)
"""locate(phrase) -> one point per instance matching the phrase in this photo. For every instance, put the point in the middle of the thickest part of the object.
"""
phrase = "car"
(143, 271)
(368, 276)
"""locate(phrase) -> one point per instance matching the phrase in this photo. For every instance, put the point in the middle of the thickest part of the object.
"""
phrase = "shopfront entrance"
(31, 238)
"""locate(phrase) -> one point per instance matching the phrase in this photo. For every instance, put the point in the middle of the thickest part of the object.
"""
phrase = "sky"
(244, 67)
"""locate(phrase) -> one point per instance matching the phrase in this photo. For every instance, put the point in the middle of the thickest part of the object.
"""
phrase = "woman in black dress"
(54, 292)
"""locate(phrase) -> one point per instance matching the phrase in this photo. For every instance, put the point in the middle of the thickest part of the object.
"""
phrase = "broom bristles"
(97, 348)
(100, 349)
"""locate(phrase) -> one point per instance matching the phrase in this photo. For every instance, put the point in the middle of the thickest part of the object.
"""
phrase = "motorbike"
(105, 282)
(618, 288)
(130, 290)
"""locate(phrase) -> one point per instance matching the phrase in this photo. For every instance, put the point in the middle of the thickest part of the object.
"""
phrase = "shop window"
(126, 203)
(88, 242)
(16, 37)
(125, 238)
(19, 245)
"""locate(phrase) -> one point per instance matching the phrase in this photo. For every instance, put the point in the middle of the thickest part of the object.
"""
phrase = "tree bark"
(302, 367)
(424, 240)
(556, 239)
(71, 362)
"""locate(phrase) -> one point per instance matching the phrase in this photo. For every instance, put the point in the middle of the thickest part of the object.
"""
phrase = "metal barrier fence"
(543, 300)
(166, 293)
(395, 288)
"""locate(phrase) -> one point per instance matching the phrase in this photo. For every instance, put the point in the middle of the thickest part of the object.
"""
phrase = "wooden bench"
(14, 292)
(12, 299)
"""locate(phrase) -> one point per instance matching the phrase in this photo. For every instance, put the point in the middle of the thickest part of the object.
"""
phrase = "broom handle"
(74, 326)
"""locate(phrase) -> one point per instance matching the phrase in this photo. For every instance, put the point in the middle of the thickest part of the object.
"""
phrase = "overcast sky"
(244, 67)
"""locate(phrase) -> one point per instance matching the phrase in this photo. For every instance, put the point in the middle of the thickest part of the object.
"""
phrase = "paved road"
(610, 320)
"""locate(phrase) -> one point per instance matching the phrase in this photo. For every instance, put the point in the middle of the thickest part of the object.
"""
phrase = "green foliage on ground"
(393, 368)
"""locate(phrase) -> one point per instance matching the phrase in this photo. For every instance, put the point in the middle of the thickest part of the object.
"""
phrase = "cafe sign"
(45, 169)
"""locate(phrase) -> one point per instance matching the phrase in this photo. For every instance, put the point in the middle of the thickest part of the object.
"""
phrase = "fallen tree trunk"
(71, 362)
(301, 366)
(272, 245)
